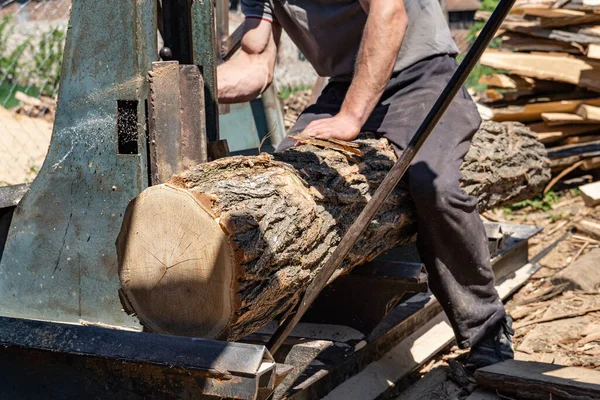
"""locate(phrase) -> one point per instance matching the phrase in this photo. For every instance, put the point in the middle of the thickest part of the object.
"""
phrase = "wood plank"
(535, 378)
(551, 134)
(579, 139)
(532, 112)
(520, 42)
(584, 273)
(589, 227)
(434, 382)
(552, 12)
(593, 51)
(579, 71)
(591, 164)
(590, 30)
(480, 394)
(504, 81)
(415, 350)
(589, 112)
(591, 194)
(570, 20)
(555, 34)
(557, 119)
(573, 150)
(561, 163)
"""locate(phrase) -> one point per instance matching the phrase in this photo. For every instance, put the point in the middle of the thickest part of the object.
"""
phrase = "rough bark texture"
(285, 214)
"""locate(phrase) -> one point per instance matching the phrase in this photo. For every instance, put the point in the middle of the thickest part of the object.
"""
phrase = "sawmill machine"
(130, 115)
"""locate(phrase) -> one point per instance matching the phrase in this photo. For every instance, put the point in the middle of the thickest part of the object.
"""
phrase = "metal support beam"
(59, 262)
(71, 361)
(204, 51)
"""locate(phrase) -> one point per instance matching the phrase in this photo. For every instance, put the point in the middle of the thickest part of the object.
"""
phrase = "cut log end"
(175, 264)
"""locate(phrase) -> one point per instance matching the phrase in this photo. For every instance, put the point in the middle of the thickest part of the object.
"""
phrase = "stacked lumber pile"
(550, 78)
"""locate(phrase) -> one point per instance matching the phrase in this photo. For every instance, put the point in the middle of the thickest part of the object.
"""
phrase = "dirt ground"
(571, 334)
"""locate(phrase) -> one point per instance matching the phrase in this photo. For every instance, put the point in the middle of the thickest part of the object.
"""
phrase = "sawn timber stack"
(224, 248)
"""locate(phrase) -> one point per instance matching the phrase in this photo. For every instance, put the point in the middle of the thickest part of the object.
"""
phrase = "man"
(389, 61)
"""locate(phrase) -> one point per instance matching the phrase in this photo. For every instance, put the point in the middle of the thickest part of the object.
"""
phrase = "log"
(224, 248)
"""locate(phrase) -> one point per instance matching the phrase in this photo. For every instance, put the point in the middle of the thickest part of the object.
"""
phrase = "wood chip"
(335, 144)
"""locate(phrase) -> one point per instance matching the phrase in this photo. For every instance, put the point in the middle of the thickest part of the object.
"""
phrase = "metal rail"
(395, 174)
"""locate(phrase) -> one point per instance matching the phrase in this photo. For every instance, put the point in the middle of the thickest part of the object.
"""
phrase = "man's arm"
(382, 38)
(250, 72)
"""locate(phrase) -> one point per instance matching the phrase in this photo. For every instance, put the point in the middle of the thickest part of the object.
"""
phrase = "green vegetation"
(480, 70)
(29, 67)
(543, 202)
(287, 91)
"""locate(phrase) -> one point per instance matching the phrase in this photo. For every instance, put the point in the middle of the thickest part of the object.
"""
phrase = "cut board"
(535, 378)
(579, 71)
(532, 112)
(591, 194)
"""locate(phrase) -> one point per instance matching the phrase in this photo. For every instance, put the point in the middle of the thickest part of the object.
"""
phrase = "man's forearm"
(241, 80)
(382, 38)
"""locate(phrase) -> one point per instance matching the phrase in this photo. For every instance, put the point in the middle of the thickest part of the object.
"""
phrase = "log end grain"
(175, 264)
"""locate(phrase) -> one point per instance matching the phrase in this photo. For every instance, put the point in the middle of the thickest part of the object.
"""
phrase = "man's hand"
(384, 31)
(250, 72)
(341, 127)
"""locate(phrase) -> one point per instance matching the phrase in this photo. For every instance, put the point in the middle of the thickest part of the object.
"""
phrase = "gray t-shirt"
(328, 32)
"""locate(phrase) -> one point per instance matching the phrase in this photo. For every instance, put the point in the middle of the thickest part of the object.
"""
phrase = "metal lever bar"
(395, 174)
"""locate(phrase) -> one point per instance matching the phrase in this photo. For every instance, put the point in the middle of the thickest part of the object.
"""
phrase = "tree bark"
(223, 249)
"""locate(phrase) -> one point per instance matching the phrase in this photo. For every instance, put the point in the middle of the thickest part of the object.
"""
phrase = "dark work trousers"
(451, 238)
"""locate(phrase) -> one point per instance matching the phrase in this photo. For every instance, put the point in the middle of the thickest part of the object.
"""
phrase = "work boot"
(495, 347)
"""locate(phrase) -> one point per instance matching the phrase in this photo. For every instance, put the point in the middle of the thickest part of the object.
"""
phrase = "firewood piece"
(583, 274)
(227, 246)
(532, 379)
(591, 194)
(560, 67)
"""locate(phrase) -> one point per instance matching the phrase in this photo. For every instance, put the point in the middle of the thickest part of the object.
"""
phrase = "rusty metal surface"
(193, 125)
(274, 115)
(71, 360)
(164, 121)
(204, 50)
(218, 150)
(60, 262)
(177, 130)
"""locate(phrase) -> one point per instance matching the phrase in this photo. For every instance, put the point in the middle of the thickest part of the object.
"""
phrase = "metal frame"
(71, 361)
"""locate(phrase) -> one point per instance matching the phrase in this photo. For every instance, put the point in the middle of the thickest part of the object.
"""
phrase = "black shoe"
(496, 347)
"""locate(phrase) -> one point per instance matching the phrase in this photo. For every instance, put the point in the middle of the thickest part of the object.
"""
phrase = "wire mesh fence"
(32, 36)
